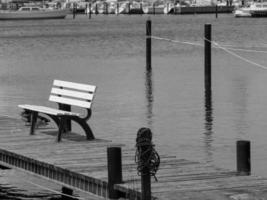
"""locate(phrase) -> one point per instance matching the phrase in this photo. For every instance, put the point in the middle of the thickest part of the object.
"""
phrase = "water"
(109, 51)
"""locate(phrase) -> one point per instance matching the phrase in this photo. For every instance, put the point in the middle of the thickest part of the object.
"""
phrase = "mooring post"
(144, 143)
(114, 171)
(154, 9)
(68, 192)
(243, 157)
(207, 38)
(148, 44)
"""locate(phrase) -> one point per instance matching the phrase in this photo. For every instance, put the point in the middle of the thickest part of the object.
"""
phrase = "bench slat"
(69, 101)
(77, 86)
(47, 110)
(71, 93)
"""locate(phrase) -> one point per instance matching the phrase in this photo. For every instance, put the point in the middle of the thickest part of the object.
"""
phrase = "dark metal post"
(154, 10)
(243, 157)
(114, 171)
(207, 57)
(148, 44)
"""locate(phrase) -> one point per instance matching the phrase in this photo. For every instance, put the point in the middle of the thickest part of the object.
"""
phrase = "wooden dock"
(80, 164)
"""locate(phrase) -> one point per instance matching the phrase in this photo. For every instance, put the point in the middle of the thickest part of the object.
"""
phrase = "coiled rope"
(146, 157)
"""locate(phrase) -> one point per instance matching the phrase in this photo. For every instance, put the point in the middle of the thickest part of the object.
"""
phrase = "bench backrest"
(70, 93)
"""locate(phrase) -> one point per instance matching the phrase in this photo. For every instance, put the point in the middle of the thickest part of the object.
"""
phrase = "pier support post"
(114, 171)
(207, 59)
(148, 44)
(243, 157)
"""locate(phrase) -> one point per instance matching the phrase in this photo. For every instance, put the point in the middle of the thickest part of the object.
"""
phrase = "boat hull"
(15, 15)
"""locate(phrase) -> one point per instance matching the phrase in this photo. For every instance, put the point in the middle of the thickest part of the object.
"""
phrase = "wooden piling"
(154, 10)
(148, 44)
(243, 157)
(143, 143)
(216, 11)
(114, 170)
(207, 59)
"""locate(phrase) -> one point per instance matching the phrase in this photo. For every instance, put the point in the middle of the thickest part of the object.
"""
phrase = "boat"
(124, 8)
(255, 9)
(154, 9)
(32, 12)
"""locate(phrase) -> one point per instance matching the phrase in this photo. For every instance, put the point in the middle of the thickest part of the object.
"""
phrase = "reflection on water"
(149, 97)
(208, 124)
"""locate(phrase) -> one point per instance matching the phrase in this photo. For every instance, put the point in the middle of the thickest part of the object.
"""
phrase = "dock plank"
(83, 164)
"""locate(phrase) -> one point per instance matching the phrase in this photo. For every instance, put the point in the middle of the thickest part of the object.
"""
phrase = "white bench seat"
(48, 110)
(66, 94)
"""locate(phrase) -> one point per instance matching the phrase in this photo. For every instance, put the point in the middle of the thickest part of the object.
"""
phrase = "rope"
(228, 50)
(176, 41)
(201, 45)
(146, 156)
(236, 55)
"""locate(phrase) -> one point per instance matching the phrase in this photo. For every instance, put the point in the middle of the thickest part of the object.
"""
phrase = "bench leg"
(60, 128)
(34, 116)
(86, 128)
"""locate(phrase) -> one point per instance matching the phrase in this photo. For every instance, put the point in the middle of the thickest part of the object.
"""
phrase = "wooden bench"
(66, 94)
